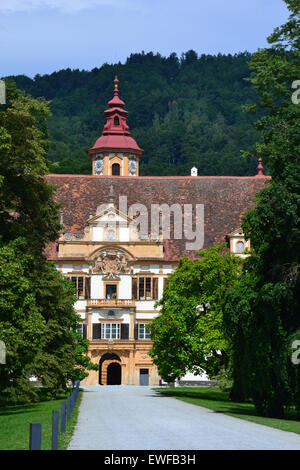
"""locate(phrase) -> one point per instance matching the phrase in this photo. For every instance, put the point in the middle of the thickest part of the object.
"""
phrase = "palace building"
(119, 259)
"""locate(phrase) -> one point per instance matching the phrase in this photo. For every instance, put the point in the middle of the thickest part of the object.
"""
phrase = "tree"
(62, 353)
(37, 317)
(22, 326)
(27, 208)
(188, 333)
(262, 315)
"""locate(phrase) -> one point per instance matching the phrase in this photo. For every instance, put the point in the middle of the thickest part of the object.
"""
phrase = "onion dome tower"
(115, 152)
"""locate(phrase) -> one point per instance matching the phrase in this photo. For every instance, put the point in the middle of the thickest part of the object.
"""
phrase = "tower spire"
(116, 83)
(115, 152)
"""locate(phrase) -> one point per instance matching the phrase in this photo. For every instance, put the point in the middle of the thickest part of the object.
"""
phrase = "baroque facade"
(119, 259)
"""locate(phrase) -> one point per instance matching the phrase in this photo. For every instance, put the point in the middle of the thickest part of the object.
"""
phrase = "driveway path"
(137, 418)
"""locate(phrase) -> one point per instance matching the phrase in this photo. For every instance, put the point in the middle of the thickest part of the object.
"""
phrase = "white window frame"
(143, 332)
(110, 331)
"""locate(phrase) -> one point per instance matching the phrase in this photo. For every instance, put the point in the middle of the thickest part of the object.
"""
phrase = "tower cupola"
(115, 153)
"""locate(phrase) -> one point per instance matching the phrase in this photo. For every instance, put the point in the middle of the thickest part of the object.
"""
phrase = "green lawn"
(15, 424)
(216, 400)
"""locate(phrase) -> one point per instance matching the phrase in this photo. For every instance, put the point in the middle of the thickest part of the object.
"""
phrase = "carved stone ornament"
(68, 236)
(132, 167)
(98, 164)
(111, 264)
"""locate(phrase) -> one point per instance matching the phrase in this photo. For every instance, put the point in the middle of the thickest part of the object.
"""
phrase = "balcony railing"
(111, 303)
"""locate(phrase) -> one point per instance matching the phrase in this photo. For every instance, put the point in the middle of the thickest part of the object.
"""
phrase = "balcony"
(114, 303)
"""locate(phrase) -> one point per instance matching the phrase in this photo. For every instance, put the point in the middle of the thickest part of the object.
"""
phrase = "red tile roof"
(225, 200)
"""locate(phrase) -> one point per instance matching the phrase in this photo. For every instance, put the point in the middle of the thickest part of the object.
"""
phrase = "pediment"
(109, 215)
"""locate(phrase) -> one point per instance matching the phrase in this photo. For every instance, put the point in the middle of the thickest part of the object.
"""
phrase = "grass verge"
(218, 401)
(15, 424)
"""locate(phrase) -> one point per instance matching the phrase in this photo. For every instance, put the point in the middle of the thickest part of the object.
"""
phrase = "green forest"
(183, 112)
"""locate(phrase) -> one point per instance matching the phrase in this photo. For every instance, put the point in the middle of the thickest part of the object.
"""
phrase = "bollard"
(68, 408)
(63, 417)
(55, 421)
(35, 439)
(71, 403)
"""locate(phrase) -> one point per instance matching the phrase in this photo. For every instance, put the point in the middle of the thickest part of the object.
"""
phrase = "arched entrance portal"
(114, 374)
(110, 369)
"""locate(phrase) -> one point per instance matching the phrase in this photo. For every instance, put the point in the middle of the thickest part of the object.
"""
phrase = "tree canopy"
(262, 314)
(183, 112)
(38, 324)
(188, 333)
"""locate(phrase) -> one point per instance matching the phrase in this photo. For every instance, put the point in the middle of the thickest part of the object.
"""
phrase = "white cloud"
(67, 6)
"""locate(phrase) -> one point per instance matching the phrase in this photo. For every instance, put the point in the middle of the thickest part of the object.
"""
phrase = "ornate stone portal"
(111, 264)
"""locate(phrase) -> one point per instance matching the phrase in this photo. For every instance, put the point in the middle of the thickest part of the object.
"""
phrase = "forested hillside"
(183, 112)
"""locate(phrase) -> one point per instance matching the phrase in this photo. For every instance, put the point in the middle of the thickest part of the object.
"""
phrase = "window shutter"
(134, 288)
(166, 281)
(136, 332)
(155, 288)
(124, 330)
(87, 287)
(84, 331)
(96, 330)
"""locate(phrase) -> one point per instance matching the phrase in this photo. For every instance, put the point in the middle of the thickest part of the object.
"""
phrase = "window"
(111, 235)
(240, 247)
(82, 285)
(148, 288)
(143, 332)
(82, 329)
(115, 169)
(110, 330)
(116, 121)
(111, 291)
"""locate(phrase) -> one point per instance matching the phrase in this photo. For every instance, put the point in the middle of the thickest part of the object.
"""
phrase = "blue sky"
(42, 36)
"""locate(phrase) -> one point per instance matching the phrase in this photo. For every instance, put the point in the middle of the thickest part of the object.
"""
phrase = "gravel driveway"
(119, 417)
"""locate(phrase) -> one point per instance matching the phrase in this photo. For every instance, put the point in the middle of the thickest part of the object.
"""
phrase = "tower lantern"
(115, 153)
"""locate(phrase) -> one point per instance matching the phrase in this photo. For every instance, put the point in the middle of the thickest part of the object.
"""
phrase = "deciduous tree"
(262, 314)
(188, 333)
(37, 318)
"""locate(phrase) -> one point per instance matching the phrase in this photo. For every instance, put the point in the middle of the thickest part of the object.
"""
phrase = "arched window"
(115, 169)
(116, 121)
